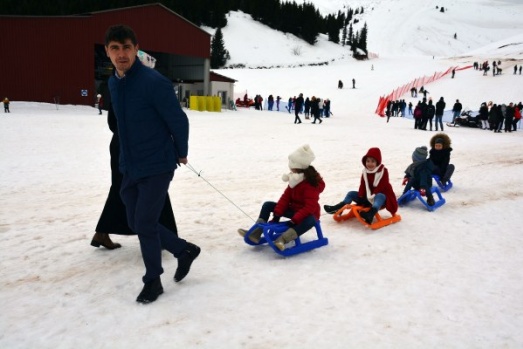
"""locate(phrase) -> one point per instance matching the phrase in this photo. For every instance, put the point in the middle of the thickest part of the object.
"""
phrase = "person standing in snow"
(298, 103)
(154, 134)
(315, 109)
(113, 219)
(307, 107)
(483, 116)
(299, 201)
(430, 111)
(456, 110)
(375, 190)
(270, 102)
(440, 109)
(418, 114)
(517, 117)
(509, 117)
(100, 103)
(6, 105)
(327, 108)
(499, 117)
(424, 115)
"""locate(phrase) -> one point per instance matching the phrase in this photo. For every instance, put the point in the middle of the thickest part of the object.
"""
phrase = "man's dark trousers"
(144, 199)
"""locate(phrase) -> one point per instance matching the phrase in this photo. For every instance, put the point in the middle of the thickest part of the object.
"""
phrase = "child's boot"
(288, 236)
(369, 215)
(430, 198)
(448, 174)
(256, 234)
(333, 209)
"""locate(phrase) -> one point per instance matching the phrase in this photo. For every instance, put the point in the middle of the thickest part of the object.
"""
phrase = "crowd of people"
(485, 67)
(497, 117)
(429, 116)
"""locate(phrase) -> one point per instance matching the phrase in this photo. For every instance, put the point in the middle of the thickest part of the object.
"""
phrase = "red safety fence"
(417, 83)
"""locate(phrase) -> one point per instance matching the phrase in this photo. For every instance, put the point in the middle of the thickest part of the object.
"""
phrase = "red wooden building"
(62, 59)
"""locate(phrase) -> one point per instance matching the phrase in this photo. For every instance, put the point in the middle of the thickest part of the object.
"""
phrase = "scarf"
(378, 171)
(293, 178)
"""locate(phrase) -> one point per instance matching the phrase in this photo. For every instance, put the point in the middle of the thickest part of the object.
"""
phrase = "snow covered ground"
(451, 278)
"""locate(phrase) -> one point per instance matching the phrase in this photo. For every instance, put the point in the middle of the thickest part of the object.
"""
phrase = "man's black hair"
(120, 33)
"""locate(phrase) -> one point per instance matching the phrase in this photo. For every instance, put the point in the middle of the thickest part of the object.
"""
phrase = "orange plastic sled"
(379, 222)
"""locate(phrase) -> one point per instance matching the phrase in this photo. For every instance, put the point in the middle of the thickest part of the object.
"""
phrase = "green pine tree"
(362, 43)
(219, 55)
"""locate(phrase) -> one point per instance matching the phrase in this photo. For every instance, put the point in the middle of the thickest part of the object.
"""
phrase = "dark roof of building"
(217, 77)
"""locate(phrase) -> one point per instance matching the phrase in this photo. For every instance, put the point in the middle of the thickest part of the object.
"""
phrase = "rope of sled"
(199, 174)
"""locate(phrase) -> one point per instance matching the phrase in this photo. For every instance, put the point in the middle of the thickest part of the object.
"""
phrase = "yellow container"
(217, 104)
(205, 103)
(193, 102)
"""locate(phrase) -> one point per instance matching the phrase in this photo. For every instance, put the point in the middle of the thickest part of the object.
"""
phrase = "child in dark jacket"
(440, 145)
(299, 202)
(418, 175)
(375, 189)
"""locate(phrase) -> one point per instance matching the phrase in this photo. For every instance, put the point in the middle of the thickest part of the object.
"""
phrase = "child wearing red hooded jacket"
(375, 189)
(299, 202)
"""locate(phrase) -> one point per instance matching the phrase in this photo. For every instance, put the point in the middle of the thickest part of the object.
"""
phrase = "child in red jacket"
(299, 202)
(375, 189)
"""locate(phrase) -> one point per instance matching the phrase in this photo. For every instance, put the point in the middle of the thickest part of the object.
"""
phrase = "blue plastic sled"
(413, 194)
(271, 231)
(443, 187)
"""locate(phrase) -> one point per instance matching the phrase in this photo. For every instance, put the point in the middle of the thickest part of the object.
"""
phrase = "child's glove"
(422, 192)
(405, 181)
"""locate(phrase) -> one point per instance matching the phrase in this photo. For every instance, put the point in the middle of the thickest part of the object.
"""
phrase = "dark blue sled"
(271, 231)
(413, 194)
(443, 187)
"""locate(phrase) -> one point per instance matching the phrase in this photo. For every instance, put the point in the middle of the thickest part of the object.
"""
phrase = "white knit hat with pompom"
(301, 158)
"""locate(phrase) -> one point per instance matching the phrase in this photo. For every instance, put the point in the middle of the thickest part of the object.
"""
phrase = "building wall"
(45, 59)
(40, 63)
(225, 90)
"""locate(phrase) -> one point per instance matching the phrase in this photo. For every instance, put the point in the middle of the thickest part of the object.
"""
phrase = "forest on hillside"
(302, 20)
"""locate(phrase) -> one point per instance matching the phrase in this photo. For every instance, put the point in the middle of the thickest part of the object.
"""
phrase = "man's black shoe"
(150, 291)
(185, 260)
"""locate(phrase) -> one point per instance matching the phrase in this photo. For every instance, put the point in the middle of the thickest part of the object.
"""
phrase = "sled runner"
(271, 231)
(413, 194)
(353, 212)
(443, 187)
